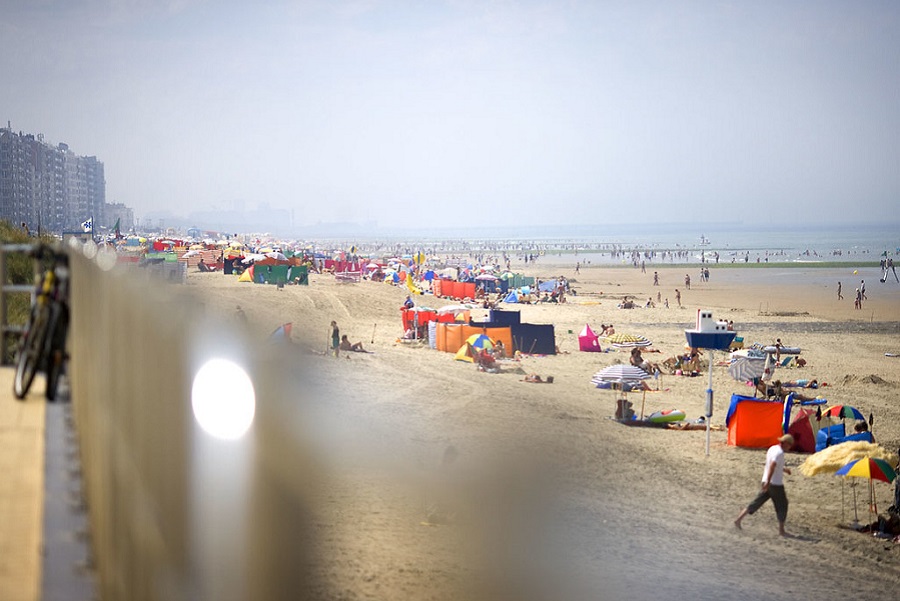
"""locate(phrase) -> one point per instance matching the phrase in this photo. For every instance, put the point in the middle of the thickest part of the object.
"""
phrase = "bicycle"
(43, 345)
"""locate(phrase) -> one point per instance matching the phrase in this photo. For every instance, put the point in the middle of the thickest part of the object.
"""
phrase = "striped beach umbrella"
(743, 368)
(620, 373)
(627, 340)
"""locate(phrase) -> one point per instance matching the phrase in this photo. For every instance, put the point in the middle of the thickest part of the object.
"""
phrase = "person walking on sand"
(772, 484)
(656, 278)
(687, 281)
(678, 296)
(862, 290)
(840, 296)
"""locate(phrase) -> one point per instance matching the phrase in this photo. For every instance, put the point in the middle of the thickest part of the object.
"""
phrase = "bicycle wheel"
(29, 357)
(56, 350)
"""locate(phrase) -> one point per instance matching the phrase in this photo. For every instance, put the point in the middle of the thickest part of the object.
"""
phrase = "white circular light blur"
(89, 249)
(223, 399)
(106, 259)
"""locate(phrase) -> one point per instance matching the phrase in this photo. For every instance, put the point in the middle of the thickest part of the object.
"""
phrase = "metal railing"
(8, 330)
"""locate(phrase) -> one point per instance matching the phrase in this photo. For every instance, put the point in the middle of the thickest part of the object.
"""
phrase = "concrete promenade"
(22, 427)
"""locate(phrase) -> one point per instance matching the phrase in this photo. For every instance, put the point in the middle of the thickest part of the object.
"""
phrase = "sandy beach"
(549, 496)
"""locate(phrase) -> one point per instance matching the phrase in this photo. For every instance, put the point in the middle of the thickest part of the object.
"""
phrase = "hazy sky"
(460, 111)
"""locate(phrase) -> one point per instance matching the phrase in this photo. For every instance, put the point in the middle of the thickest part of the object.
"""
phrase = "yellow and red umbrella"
(869, 467)
(873, 469)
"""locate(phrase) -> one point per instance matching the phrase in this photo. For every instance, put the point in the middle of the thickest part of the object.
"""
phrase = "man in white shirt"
(772, 484)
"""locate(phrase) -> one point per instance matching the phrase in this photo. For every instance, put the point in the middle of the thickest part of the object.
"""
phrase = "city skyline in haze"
(459, 112)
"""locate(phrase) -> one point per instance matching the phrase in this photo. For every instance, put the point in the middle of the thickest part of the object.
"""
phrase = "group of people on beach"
(860, 294)
(340, 342)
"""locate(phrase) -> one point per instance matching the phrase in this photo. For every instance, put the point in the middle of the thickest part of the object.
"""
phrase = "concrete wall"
(175, 512)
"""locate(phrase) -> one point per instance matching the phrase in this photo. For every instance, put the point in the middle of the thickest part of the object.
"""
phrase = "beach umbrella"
(768, 368)
(453, 309)
(744, 368)
(873, 469)
(869, 467)
(620, 374)
(486, 277)
(627, 340)
(843, 412)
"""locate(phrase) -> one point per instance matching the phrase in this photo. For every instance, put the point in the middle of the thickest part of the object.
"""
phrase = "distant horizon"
(873, 237)
(530, 113)
(479, 229)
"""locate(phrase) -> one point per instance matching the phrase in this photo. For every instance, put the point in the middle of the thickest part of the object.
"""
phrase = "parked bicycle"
(43, 345)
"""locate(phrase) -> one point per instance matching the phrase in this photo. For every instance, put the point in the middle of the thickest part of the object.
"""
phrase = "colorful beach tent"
(448, 337)
(802, 430)
(282, 333)
(512, 297)
(474, 343)
(754, 423)
(247, 276)
(588, 341)
(465, 353)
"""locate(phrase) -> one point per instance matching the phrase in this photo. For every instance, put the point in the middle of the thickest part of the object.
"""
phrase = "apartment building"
(48, 187)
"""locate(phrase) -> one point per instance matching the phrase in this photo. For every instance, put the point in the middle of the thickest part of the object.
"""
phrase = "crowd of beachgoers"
(651, 502)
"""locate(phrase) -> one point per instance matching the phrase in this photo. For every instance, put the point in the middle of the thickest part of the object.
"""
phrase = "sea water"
(733, 243)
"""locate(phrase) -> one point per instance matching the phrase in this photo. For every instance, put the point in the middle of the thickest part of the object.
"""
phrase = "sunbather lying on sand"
(777, 390)
(536, 379)
(801, 384)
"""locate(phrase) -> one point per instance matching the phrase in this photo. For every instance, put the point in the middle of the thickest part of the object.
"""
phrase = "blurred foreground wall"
(177, 513)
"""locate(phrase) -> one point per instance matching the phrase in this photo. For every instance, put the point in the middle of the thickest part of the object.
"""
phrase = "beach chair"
(737, 344)
(786, 362)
